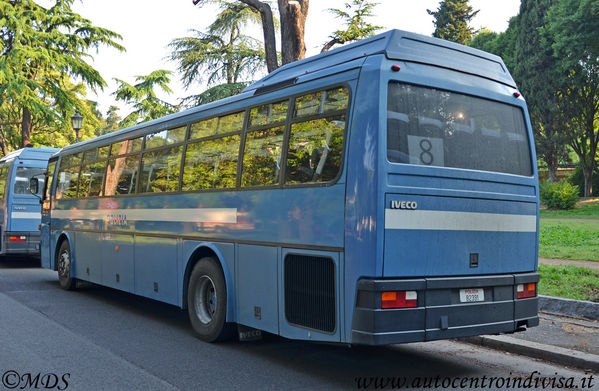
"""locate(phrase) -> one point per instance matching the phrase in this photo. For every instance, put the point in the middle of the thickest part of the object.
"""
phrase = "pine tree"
(42, 53)
(451, 20)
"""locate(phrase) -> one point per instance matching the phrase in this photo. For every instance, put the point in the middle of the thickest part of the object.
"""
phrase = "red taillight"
(526, 290)
(516, 94)
(17, 238)
(399, 299)
(395, 68)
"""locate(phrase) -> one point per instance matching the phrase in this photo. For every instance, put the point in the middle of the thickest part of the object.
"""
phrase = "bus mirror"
(34, 186)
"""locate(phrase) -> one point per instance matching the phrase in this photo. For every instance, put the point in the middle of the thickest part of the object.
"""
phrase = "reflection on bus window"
(211, 164)
(315, 150)
(121, 175)
(24, 174)
(160, 170)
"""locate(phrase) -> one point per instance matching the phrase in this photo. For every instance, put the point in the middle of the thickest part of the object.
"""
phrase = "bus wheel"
(64, 267)
(207, 302)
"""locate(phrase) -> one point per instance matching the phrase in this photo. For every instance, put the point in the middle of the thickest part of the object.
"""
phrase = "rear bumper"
(439, 313)
(30, 246)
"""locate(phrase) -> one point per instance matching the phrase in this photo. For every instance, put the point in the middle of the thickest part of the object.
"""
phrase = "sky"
(148, 26)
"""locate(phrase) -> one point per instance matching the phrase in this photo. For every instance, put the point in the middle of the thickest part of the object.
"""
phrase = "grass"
(578, 240)
(581, 211)
(570, 282)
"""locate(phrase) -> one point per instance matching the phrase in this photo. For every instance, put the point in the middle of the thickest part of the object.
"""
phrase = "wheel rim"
(64, 264)
(205, 302)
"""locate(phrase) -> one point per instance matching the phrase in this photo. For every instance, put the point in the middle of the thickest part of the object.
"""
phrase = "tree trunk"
(26, 128)
(293, 20)
(268, 29)
(588, 180)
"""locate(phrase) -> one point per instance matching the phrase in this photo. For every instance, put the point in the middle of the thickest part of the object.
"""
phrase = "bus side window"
(92, 178)
(211, 164)
(160, 170)
(316, 140)
(121, 175)
(68, 179)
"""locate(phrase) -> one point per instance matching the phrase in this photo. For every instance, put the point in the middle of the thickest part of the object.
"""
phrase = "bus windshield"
(427, 126)
(24, 174)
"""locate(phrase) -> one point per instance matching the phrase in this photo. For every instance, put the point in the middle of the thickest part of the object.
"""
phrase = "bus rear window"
(431, 127)
(24, 174)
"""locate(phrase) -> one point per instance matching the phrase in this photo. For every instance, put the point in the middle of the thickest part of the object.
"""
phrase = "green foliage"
(572, 32)
(569, 281)
(559, 195)
(43, 68)
(577, 240)
(577, 178)
(502, 44)
(223, 53)
(451, 20)
(356, 26)
(143, 97)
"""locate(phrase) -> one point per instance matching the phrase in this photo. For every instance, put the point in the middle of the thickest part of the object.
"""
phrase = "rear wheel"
(207, 301)
(64, 267)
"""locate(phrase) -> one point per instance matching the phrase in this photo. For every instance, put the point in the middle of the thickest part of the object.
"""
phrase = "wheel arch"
(61, 238)
(210, 250)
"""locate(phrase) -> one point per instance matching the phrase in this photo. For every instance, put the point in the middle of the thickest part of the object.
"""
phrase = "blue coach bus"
(383, 192)
(19, 209)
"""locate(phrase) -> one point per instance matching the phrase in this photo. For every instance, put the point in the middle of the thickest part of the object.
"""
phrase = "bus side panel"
(87, 257)
(257, 290)
(117, 259)
(156, 268)
(361, 256)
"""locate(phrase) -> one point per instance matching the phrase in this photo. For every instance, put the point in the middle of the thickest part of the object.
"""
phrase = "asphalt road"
(99, 338)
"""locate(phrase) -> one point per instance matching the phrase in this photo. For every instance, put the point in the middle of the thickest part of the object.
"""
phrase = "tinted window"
(68, 179)
(121, 175)
(91, 179)
(262, 157)
(315, 150)
(50, 178)
(22, 177)
(211, 164)
(218, 125)
(268, 114)
(4, 170)
(160, 170)
(426, 126)
(127, 146)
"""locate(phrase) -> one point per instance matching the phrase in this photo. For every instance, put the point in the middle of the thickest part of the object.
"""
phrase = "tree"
(41, 52)
(451, 20)
(293, 15)
(573, 30)
(537, 76)
(356, 26)
(143, 97)
(223, 53)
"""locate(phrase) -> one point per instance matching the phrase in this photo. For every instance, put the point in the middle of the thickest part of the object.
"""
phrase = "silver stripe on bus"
(458, 221)
(191, 215)
(26, 215)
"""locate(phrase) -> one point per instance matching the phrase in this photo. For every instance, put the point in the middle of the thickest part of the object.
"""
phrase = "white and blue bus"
(383, 192)
(19, 209)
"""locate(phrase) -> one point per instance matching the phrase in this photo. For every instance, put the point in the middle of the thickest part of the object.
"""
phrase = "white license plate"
(472, 295)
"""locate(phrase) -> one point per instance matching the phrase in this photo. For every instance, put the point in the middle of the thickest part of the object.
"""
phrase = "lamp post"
(77, 123)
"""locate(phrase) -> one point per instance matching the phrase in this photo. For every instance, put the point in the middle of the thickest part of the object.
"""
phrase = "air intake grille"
(310, 292)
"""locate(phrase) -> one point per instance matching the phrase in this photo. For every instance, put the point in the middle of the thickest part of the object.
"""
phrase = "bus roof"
(394, 44)
(41, 153)
(397, 45)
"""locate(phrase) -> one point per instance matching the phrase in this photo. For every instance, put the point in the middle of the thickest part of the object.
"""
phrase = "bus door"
(45, 248)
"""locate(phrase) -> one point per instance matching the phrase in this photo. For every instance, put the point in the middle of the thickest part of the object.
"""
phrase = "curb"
(569, 307)
(554, 354)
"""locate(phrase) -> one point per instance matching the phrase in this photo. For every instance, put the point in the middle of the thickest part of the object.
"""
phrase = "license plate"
(472, 295)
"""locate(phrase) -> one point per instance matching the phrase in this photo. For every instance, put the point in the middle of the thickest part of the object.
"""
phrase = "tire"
(207, 302)
(63, 266)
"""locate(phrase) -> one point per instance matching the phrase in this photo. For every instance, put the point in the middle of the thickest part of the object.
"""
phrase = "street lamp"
(77, 123)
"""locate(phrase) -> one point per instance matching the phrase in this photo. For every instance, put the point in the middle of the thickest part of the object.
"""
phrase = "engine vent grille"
(310, 292)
